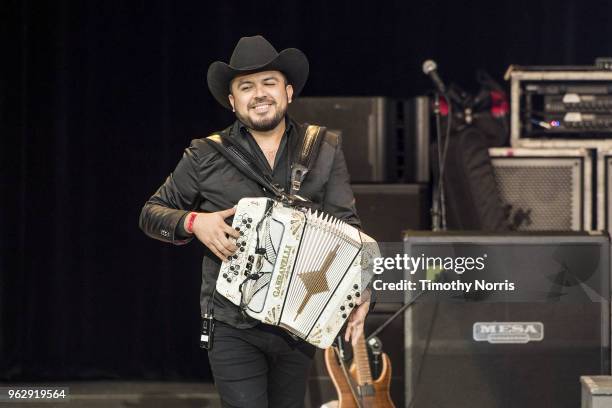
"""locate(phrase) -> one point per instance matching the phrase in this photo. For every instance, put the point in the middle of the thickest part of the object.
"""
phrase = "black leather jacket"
(205, 181)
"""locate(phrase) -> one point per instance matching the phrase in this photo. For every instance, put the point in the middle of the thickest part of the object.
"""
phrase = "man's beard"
(263, 125)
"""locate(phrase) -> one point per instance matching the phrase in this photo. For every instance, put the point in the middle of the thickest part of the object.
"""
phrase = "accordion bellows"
(299, 269)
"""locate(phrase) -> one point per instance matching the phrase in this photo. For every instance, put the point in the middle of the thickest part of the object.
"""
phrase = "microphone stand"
(395, 315)
(437, 202)
(438, 211)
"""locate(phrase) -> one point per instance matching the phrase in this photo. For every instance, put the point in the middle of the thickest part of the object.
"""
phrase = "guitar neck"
(362, 362)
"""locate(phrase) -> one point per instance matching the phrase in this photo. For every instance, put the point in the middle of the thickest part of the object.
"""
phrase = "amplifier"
(582, 99)
(545, 189)
(567, 110)
(526, 347)
(388, 138)
(580, 123)
(556, 108)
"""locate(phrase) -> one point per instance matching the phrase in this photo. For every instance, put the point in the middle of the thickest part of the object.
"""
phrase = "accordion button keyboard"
(275, 240)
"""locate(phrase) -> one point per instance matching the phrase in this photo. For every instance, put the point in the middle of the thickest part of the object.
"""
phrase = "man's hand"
(354, 329)
(212, 230)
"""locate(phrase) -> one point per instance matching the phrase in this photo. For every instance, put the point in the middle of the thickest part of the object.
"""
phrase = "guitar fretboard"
(362, 362)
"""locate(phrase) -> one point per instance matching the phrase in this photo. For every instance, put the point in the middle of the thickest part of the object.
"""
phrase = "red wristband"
(190, 221)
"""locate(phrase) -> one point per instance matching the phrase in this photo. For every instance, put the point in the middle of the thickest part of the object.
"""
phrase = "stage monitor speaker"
(545, 189)
(385, 140)
(604, 189)
(504, 348)
(386, 210)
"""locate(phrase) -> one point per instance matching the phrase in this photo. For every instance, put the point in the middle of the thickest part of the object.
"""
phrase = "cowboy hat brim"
(291, 62)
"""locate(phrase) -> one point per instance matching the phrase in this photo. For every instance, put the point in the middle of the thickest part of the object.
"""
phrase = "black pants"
(259, 367)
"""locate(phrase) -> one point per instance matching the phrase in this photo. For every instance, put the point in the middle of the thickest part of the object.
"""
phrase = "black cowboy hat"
(255, 54)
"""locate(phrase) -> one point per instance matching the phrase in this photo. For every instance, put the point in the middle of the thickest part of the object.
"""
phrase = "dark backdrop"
(98, 99)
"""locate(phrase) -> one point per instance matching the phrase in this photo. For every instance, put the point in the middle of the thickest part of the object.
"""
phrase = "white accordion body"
(299, 269)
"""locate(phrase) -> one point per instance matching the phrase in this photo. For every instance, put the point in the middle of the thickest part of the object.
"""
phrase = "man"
(254, 365)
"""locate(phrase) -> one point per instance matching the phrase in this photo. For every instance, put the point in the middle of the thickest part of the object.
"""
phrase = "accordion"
(296, 268)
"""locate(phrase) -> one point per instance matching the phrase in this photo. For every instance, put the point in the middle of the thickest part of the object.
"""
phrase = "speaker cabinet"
(546, 189)
(385, 140)
(386, 210)
(505, 349)
(604, 189)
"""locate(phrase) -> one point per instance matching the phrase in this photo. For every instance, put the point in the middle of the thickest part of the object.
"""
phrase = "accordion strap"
(306, 156)
(239, 158)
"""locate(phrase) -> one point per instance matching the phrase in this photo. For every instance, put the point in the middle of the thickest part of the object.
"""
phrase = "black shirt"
(281, 173)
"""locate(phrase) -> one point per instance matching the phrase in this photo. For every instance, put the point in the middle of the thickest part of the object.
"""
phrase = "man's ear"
(289, 89)
(231, 100)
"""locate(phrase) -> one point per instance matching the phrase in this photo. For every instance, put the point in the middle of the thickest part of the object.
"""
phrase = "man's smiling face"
(260, 100)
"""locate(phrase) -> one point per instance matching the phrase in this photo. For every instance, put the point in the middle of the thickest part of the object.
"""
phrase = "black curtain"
(99, 98)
